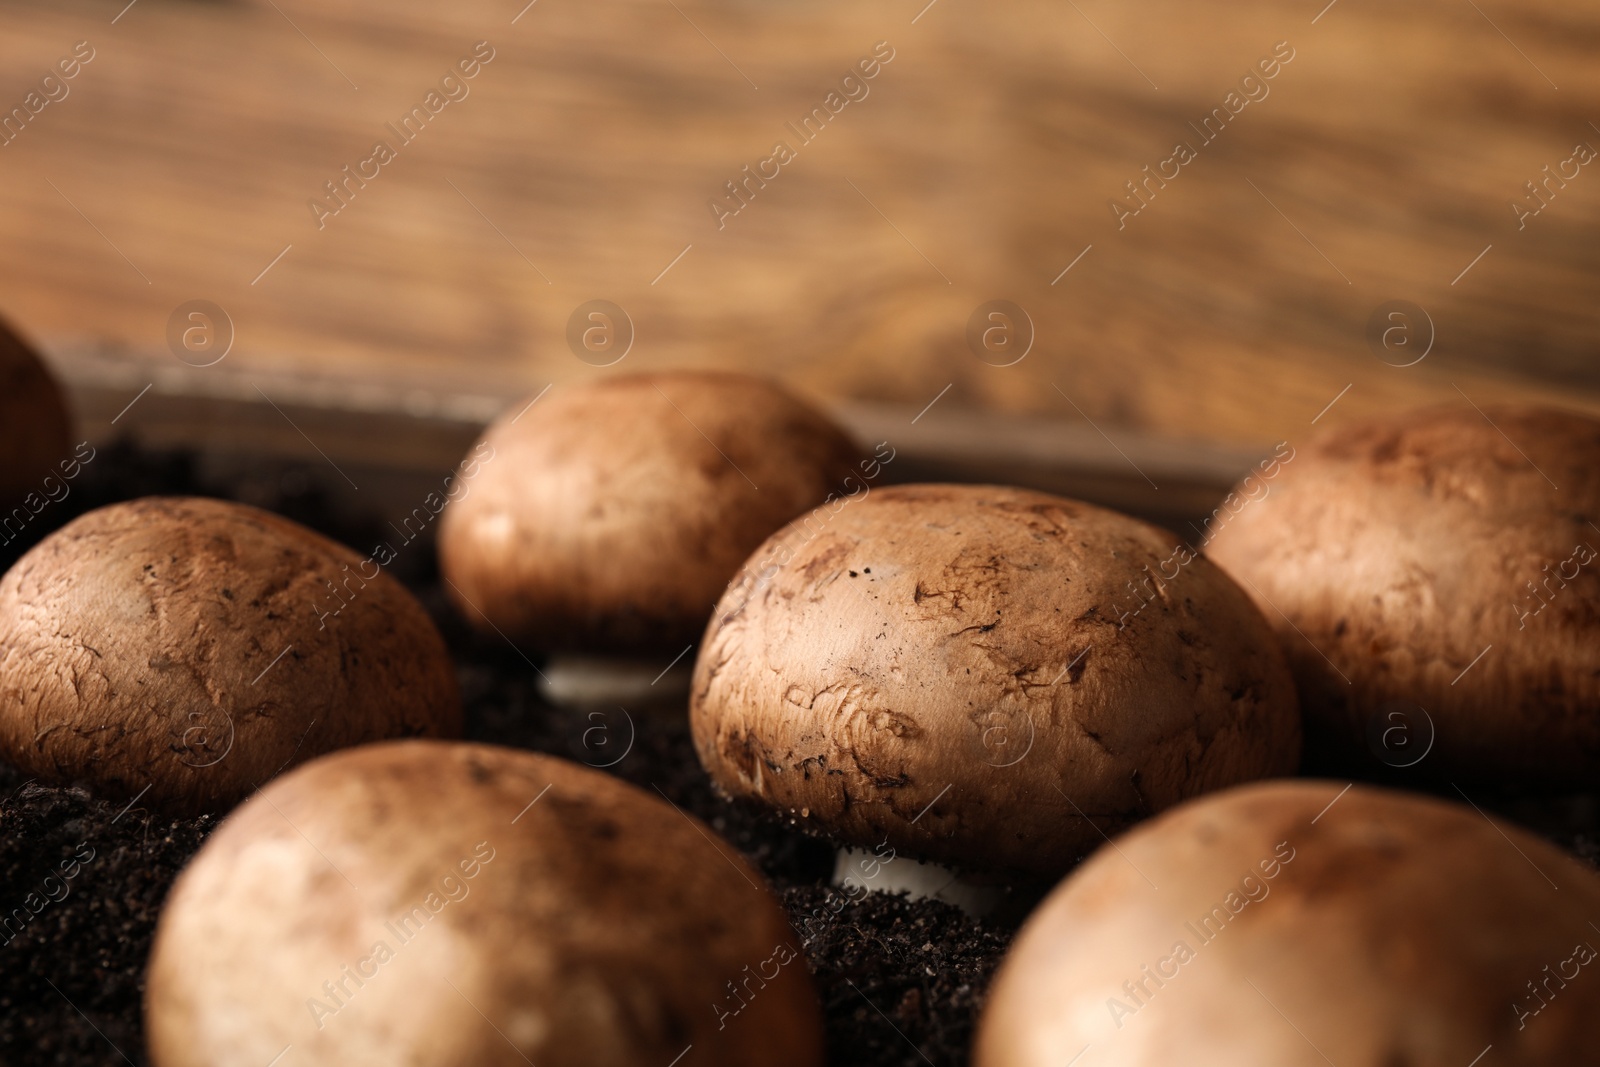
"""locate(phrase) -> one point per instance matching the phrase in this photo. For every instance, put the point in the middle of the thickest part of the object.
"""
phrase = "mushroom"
(985, 676)
(186, 650)
(437, 902)
(1430, 583)
(613, 514)
(1304, 923)
(34, 432)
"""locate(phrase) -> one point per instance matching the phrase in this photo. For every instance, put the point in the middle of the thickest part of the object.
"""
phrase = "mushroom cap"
(530, 911)
(1386, 928)
(961, 671)
(34, 425)
(191, 647)
(1391, 555)
(613, 514)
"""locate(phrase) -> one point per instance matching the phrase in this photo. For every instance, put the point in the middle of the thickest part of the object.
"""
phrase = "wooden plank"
(386, 450)
(1232, 308)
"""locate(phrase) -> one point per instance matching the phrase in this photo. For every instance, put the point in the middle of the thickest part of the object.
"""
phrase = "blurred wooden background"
(1232, 309)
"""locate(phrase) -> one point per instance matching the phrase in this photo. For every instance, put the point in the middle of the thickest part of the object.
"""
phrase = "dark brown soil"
(901, 982)
(72, 950)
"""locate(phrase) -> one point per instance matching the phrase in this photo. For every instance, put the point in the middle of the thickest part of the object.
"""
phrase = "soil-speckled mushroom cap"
(449, 903)
(1285, 923)
(985, 675)
(1430, 581)
(194, 648)
(612, 515)
(34, 424)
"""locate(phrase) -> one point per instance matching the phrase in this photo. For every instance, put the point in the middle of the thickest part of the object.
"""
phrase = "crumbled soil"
(901, 982)
(72, 949)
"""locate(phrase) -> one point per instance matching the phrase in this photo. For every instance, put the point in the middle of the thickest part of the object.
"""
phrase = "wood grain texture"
(1232, 308)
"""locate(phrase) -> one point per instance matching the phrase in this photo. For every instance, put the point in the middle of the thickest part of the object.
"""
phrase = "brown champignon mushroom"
(430, 902)
(1287, 923)
(1429, 582)
(613, 515)
(194, 648)
(34, 424)
(980, 675)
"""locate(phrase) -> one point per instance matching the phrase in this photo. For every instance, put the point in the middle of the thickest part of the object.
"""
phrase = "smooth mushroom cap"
(611, 516)
(449, 903)
(1393, 558)
(966, 673)
(1284, 923)
(34, 424)
(194, 649)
